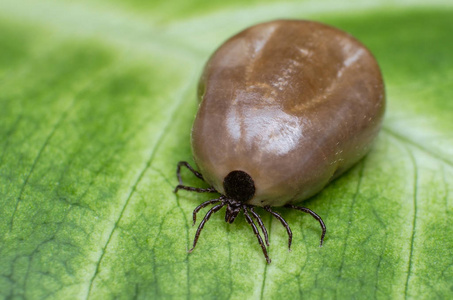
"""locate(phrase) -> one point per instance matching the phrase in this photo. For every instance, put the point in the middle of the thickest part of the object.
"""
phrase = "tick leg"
(314, 215)
(205, 219)
(194, 189)
(203, 205)
(186, 164)
(284, 223)
(181, 185)
(260, 222)
(258, 236)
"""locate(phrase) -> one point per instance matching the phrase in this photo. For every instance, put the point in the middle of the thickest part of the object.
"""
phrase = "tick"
(285, 107)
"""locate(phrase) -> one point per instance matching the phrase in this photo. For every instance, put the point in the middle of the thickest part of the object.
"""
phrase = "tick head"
(232, 211)
(239, 188)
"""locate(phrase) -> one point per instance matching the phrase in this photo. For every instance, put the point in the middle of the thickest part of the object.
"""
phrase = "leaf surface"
(97, 101)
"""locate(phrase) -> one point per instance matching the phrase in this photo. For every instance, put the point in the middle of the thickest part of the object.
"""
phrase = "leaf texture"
(97, 100)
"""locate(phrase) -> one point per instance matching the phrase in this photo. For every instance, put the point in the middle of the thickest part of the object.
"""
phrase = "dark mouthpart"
(239, 186)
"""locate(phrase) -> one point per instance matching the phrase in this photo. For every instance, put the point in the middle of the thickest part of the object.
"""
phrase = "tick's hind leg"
(260, 222)
(181, 185)
(314, 215)
(284, 223)
(258, 236)
(203, 205)
(205, 219)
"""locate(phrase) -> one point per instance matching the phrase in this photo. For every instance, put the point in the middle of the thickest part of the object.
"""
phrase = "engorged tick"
(285, 108)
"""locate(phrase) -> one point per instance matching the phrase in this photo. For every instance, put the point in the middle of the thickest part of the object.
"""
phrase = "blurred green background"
(97, 99)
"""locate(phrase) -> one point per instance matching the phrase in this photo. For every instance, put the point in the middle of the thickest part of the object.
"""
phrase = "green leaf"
(96, 105)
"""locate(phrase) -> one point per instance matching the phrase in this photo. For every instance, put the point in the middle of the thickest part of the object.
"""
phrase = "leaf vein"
(8, 135)
(351, 209)
(416, 145)
(37, 158)
(148, 163)
(414, 224)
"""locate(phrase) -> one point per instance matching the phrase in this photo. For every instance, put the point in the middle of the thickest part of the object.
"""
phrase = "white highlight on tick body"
(262, 39)
(350, 60)
(304, 52)
(270, 129)
(233, 126)
(282, 80)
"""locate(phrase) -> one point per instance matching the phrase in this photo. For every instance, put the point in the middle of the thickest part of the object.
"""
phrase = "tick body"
(285, 107)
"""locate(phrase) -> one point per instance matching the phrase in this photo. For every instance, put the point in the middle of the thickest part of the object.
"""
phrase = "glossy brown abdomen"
(292, 103)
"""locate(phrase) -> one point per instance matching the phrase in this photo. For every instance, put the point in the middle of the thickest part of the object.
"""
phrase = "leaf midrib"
(161, 136)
